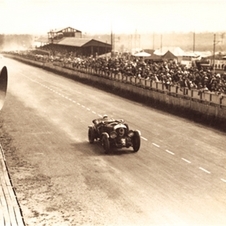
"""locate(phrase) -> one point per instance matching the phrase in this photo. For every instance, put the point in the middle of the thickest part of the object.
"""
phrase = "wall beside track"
(206, 107)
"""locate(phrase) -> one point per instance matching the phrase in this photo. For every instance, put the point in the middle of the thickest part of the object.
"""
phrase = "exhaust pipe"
(3, 85)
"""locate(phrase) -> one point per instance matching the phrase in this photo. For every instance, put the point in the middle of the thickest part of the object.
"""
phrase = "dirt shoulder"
(39, 196)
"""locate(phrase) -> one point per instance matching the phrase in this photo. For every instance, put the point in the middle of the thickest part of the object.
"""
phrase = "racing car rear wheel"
(106, 143)
(91, 135)
(136, 141)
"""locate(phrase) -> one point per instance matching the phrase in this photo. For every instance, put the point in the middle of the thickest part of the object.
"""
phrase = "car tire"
(91, 135)
(106, 143)
(136, 141)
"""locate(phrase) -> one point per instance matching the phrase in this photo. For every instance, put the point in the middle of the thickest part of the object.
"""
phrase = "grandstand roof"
(79, 42)
(72, 41)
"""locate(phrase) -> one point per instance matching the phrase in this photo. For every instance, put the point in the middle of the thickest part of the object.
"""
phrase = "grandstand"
(71, 40)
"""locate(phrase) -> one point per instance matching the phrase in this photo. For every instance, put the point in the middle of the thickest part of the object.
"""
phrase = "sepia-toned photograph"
(113, 112)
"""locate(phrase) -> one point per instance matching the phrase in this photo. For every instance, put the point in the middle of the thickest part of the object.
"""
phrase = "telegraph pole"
(193, 42)
(214, 49)
(112, 43)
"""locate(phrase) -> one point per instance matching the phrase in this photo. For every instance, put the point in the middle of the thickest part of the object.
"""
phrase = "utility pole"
(214, 49)
(112, 43)
(193, 42)
(135, 38)
(215, 42)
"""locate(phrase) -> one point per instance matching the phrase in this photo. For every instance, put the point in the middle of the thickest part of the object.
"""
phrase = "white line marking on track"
(204, 170)
(170, 152)
(61, 95)
(186, 160)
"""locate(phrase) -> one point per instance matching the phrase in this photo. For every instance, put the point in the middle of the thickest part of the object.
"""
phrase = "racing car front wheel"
(106, 143)
(136, 141)
(91, 135)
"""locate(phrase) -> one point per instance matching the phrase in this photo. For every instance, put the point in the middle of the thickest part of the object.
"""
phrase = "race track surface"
(178, 177)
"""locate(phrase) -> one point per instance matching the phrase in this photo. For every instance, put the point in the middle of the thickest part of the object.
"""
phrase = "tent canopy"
(142, 54)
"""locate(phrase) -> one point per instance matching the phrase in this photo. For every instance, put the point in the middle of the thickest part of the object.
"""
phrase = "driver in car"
(101, 121)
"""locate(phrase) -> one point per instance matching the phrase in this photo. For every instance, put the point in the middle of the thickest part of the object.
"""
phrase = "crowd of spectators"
(168, 72)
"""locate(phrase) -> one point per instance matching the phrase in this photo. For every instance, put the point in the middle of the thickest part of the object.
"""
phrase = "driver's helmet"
(105, 117)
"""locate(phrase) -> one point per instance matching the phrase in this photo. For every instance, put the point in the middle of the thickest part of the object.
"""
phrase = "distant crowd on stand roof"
(168, 72)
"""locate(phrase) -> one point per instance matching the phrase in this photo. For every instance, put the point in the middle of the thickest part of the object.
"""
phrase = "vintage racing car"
(113, 134)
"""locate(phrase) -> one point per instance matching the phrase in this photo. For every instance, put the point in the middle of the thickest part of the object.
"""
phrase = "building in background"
(71, 40)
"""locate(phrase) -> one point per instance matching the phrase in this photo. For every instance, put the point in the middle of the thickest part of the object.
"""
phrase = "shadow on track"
(96, 149)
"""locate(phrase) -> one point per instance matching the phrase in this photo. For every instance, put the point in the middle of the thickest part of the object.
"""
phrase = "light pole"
(215, 42)
(193, 42)
(214, 49)
(112, 43)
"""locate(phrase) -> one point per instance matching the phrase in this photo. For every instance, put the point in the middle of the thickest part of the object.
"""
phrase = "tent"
(176, 51)
(142, 54)
(169, 56)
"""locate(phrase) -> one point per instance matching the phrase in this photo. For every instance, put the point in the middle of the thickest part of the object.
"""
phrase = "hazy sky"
(98, 16)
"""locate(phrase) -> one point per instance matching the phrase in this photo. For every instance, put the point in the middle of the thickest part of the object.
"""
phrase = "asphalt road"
(177, 178)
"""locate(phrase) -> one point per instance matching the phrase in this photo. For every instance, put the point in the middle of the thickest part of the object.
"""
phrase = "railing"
(206, 97)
